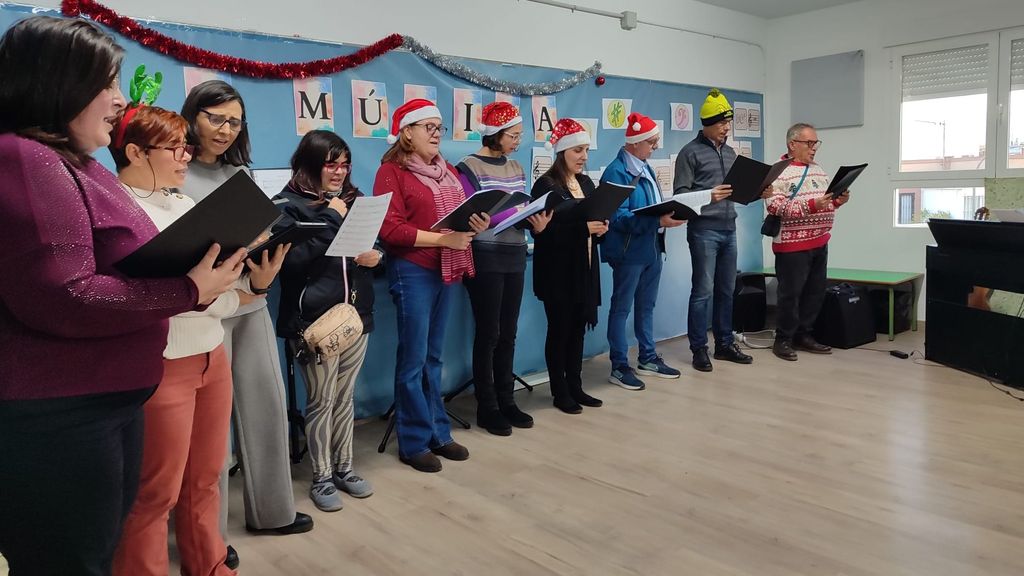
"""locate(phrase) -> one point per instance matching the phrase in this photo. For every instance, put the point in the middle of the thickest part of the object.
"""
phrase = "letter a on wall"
(545, 116)
(370, 115)
(314, 104)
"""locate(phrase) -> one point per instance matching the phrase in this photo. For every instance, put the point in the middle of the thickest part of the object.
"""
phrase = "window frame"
(1006, 39)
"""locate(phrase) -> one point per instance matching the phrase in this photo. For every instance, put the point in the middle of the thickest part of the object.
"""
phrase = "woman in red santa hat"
(496, 291)
(422, 267)
(566, 269)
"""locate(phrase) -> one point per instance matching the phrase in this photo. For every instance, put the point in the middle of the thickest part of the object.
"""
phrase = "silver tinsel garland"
(457, 69)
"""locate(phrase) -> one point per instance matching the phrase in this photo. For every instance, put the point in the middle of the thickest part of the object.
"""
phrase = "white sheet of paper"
(696, 199)
(542, 160)
(359, 230)
(272, 181)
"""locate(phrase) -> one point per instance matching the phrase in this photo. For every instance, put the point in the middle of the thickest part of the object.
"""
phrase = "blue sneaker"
(657, 368)
(627, 379)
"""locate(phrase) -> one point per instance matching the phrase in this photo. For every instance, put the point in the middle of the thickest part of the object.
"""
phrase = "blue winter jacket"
(632, 239)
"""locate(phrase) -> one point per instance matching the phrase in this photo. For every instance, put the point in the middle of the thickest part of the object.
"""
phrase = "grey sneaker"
(325, 495)
(626, 378)
(355, 485)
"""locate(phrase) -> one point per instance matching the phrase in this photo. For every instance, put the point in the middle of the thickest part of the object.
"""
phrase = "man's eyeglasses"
(812, 144)
(218, 120)
(433, 128)
(337, 166)
(178, 151)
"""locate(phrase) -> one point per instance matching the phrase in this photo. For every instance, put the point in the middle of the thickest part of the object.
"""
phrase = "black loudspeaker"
(846, 319)
(902, 303)
(749, 303)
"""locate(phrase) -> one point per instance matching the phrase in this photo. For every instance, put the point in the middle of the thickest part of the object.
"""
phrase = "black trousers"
(563, 350)
(495, 298)
(69, 473)
(802, 278)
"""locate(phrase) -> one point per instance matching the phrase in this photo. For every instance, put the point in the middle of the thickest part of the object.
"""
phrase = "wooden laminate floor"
(852, 464)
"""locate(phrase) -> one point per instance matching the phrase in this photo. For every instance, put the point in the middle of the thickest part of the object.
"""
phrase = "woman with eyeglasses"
(422, 268)
(496, 292)
(566, 269)
(187, 419)
(80, 344)
(217, 128)
(321, 190)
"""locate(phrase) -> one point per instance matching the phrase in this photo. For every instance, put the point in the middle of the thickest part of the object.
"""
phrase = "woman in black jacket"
(311, 283)
(566, 268)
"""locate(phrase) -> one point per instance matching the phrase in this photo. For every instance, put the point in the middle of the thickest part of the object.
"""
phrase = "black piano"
(975, 259)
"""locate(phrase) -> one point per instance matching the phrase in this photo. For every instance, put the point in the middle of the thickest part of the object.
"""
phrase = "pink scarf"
(448, 194)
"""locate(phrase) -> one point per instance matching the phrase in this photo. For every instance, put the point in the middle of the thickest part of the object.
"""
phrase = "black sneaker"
(584, 399)
(701, 361)
(232, 561)
(733, 353)
(517, 417)
(784, 349)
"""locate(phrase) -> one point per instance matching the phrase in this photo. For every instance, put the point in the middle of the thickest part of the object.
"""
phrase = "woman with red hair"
(187, 419)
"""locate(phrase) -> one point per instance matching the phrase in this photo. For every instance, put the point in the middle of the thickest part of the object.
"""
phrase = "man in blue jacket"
(633, 247)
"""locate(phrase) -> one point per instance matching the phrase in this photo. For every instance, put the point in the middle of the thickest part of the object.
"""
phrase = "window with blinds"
(1015, 119)
(943, 115)
(946, 73)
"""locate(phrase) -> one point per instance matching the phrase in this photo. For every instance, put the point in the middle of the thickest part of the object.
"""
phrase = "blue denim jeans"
(713, 254)
(421, 301)
(636, 286)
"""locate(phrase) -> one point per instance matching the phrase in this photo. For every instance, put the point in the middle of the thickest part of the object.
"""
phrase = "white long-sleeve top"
(190, 333)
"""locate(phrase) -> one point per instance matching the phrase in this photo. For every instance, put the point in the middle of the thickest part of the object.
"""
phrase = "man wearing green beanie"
(700, 165)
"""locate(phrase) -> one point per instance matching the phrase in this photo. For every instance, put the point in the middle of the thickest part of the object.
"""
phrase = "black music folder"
(749, 178)
(552, 201)
(294, 233)
(233, 216)
(603, 202)
(677, 209)
(844, 177)
(489, 201)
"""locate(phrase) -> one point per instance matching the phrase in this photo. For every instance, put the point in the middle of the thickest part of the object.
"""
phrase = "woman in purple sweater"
(80, 345)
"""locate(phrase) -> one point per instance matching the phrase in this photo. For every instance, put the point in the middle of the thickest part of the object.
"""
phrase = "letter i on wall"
(314, 104)
(468, 106)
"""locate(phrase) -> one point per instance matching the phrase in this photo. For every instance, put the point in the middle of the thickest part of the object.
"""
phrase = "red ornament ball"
(599, 80)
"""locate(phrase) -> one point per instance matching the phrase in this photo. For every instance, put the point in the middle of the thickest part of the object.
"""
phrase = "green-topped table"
(889, 280)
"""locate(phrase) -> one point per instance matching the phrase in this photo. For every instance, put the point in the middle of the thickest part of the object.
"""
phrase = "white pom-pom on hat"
(547, 145)
(392, 138)
(636, 126)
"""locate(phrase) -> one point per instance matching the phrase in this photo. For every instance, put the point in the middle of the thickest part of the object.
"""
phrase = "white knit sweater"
(190, 333)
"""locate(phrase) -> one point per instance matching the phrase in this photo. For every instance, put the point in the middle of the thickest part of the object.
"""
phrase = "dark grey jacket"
(700, 166)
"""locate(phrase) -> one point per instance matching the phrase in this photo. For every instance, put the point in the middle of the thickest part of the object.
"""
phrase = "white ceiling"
(775, 8)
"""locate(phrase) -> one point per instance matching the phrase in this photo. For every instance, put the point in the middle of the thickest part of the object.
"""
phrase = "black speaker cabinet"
(750, 302)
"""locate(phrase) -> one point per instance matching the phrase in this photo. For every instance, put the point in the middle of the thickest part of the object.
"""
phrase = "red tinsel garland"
(208, 59)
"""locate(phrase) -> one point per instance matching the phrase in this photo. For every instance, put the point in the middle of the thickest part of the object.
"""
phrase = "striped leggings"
(330, 388)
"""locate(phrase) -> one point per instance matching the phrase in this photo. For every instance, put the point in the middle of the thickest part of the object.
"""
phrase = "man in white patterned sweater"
(801, 248)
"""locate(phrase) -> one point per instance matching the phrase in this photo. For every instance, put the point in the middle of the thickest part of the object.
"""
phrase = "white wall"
(864, 236)
(506, 30)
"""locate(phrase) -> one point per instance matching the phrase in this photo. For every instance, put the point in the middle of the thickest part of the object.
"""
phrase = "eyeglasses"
(337, 166)
(218, 120)
(433, 128)
(812, 144)
(515, 137)
(178, 151)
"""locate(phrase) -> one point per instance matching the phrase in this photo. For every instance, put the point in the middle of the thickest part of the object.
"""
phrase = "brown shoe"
(784, 349)
(453, 451)
(809, 344)
(425, 462)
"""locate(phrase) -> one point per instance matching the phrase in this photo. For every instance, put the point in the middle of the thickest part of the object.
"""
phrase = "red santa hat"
(567, 133)
(498, 116)
(409, 113)
(640, 128)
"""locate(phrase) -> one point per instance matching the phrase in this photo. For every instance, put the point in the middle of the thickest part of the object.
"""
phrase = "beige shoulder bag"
(335, 330)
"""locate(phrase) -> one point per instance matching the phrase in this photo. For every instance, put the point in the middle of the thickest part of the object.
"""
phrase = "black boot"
(784, 349)
(516, 417)
(701, 361)
(492, 420)
(567, 405)
(586, 399)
